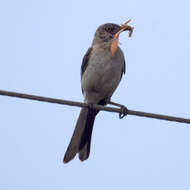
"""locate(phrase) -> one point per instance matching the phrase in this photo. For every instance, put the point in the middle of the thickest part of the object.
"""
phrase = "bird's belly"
(100, 80)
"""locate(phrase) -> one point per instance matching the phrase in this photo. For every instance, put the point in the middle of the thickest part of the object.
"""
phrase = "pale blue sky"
(41, 48)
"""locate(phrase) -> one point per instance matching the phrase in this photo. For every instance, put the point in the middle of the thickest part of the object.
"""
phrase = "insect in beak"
(124, 27)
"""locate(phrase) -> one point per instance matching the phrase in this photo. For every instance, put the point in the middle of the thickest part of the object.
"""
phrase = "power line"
(95, 106)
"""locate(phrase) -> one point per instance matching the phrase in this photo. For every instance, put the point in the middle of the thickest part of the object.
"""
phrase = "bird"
(101, 73)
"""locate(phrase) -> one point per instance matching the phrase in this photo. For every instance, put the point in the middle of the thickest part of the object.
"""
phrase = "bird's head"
(108, 35)
(106, 32)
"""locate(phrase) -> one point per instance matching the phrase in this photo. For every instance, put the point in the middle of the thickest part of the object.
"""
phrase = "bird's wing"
(123, 70)
(85, 61)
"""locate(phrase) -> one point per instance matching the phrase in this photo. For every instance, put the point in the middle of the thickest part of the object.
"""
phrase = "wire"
(95, 106)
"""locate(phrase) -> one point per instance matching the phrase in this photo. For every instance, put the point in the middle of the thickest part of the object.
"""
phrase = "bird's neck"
(101, 44)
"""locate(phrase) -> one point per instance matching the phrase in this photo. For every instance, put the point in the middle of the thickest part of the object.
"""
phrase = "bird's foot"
(123, 109)
(124, 112)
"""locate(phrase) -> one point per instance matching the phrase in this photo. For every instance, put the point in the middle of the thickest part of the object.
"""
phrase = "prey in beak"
(124, 27)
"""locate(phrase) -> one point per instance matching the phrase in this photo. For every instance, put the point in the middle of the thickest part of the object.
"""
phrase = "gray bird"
(101, 72)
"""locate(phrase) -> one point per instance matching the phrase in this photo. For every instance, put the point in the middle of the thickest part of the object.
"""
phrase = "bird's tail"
(81, 139)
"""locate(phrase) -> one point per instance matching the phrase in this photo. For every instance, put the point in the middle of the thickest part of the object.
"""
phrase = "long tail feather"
(74, 144)
(84, 149)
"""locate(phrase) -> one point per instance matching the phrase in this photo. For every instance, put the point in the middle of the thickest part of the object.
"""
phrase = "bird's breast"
(103, 73)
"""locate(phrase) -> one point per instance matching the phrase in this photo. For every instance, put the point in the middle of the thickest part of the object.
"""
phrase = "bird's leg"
(124, 110)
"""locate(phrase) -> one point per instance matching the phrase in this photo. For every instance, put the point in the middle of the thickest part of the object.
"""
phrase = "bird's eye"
(108, 29)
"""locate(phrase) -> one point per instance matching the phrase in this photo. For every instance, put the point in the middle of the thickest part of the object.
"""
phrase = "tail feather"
(84, 149)
(81, 139)
(74, 144)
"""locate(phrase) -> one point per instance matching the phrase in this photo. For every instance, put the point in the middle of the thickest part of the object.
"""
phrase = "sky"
(42, 43)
